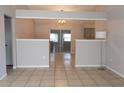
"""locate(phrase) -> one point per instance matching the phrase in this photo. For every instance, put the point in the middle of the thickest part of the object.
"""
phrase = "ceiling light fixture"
(61, 21)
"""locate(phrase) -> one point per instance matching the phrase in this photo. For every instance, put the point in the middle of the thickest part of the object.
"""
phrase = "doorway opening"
(60, 48)
(60, 41)
(8, 41)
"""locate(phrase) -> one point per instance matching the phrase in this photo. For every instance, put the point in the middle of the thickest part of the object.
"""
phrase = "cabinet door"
(89, 33)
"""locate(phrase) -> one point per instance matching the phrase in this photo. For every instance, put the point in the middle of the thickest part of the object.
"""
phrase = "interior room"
(61, 46)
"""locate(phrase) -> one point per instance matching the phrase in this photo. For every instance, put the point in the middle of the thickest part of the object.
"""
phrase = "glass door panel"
(60, 41)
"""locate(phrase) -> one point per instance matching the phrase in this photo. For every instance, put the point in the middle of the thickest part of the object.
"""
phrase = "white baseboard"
(30, 66)
(87, 65)
(3, 76)
(14, 67)
(116, 72)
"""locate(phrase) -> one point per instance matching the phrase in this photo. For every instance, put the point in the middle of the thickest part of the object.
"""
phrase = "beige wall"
(89, 24)
(8, 10)
(42, 29)
(24, 28)
(101, 25)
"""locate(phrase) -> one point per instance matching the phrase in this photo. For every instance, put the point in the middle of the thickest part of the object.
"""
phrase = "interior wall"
(115, 42)
(42, 30)
(89, 24)
(101, 25)
(9, 11)
(24, 29)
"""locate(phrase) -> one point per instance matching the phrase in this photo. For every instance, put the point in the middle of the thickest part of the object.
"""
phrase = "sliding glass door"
(60, 41)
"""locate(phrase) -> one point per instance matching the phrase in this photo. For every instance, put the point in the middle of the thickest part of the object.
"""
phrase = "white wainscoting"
(88, 53)
(32, 53)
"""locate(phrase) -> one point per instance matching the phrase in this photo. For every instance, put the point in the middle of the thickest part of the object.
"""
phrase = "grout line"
(42, 77)
(66, 76)
(91, 78)
(28, 79)
(79, 78)
(115, 76)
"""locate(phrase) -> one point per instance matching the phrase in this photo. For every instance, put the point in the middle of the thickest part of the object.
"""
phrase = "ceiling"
(68, 21)
(71, 8)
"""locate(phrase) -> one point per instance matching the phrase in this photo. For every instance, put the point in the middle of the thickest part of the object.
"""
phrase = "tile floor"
(61, 73)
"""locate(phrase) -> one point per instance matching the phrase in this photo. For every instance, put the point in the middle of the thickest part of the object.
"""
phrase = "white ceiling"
(72, 8)
(68, 21)
(63, 7)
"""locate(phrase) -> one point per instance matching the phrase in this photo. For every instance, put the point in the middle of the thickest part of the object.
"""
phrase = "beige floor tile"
(33, 84)
(61, 83)
(70, 72)
(18, 84)
(5, 83)
(35, 78)
(92, 72)
(29, 69)
(115, 82)
(88, 82)
(48, 77)
(90, 68)
(85, 79)
(60, 77)
(62, 73)
(47, 83)
(117, 85)
(18, 70)
(59, 68)
(96, 77)
(26, 74)
(81, 73)
(69, 68)
(15, 73)
(109, 77)
(72, 77)
(84, 76)
(121, 79)
(102, 82)
(22, 78)
(50, 74)
(75, 83)
(10, 78)
(37, 73)
(79, 68)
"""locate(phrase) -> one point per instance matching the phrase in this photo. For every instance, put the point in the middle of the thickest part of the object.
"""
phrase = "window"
(54, 37)
(67, 37)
